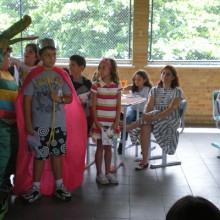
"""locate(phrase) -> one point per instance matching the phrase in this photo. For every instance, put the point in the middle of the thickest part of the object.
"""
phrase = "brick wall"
(196, 82)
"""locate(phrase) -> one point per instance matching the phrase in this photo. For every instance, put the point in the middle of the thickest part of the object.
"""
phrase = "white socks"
(37, 184)
(59, 182)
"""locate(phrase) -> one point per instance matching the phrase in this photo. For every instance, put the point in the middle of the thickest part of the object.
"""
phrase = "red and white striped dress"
(106, 105)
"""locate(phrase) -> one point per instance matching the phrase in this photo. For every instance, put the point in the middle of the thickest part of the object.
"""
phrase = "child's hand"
(115, 125)
(29, 129)
(83, 101)
(98, 125)
(55, 97)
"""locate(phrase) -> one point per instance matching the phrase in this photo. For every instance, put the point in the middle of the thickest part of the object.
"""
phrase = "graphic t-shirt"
(42, 105)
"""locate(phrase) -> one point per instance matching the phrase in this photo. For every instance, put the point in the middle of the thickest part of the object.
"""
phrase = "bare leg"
(132, 126)
(57, 166)
(108, 158)
(98, 157)
(38, 169)
(145, 135)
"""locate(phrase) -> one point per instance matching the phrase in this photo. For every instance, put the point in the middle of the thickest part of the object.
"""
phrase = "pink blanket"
(73, 161)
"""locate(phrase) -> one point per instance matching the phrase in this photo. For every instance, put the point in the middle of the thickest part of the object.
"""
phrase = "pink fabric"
(74, 160)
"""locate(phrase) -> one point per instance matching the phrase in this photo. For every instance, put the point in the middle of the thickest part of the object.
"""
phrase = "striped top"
(8, 94)
(163, 97)
(106, 101)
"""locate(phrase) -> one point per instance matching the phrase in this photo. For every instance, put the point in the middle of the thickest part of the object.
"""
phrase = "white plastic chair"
(164, 162)
(216, 114)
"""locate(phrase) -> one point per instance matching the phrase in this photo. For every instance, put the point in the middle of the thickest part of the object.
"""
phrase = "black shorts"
(57, 146)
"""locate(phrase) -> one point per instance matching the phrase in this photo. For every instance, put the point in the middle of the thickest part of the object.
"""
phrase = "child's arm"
(28, 114)
(94, 103)
(66, 99)
(218, 96)
(128, 87)
(118, 112)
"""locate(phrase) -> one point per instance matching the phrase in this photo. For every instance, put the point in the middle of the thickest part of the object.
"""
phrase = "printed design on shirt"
(43, 87)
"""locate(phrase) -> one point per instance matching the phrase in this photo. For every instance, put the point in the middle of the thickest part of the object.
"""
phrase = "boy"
(46, 91)
(81, 84)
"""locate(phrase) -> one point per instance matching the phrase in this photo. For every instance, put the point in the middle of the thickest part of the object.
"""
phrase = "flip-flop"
(142, 166)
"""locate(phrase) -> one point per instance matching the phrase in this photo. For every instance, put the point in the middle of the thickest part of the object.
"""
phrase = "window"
(184, 31)
(91, 28)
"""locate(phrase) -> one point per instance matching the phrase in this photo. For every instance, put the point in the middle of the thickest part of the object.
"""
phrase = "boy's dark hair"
(44, 48)
(81, 61)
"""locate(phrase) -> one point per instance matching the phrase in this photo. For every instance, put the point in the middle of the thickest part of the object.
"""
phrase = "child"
(141, 86)
(193, 207)
(30, 60)
(81, 84)
(106, 108)
(8, 127)
(46, 91)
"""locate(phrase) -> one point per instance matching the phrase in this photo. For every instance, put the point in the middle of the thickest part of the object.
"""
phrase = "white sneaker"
(62, 193)
(111, 178)
(32, 195)
(101, 178)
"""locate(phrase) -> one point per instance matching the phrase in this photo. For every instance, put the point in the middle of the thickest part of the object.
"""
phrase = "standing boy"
(81, 84)
(45, 92)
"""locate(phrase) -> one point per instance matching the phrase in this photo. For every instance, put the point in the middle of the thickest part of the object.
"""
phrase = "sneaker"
(101, 178)
(120, 148)
(111, 178)
(32, 195)
(62, 193)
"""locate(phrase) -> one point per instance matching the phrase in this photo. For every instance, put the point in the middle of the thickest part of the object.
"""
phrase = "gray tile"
(106, 211)
(140, 195)
(147, 213)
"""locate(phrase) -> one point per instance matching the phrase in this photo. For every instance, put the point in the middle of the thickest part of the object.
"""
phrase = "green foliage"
(185, 30)
(182, 30)
(92, 28)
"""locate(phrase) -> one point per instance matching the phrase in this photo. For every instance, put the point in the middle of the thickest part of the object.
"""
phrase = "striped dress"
(8, 128)
(106, 105)
(164, 130)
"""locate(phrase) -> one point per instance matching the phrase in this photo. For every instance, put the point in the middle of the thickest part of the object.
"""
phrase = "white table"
(126, 101)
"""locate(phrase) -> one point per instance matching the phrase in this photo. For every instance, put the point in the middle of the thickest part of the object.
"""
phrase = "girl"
(106, 108)
(141, 86)
(30, 60)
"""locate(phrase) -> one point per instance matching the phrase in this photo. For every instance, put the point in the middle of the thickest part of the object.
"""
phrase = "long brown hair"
(175, 81)
(145, 76)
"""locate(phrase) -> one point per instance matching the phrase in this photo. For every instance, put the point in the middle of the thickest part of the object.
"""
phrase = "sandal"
(142, 166)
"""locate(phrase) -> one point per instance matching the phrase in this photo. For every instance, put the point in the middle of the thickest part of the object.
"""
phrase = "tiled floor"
(140, 195)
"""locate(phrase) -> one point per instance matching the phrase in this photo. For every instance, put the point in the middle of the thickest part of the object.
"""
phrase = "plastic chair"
(89, 163)
(216, 114)
(164, 162)
(216, 108)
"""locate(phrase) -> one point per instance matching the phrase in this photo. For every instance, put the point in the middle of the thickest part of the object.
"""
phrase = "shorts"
(57, 146)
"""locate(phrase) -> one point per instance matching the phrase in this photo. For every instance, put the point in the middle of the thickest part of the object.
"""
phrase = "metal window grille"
(184, 31)
(91, 28)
